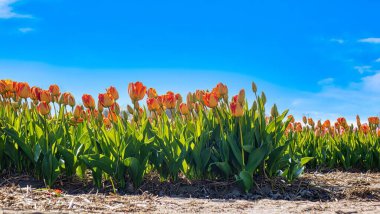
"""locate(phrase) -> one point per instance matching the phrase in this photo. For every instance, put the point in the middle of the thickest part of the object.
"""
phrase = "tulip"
(326, 124)
(373, 121)
(106, 100)
(54, 90)
(199, 95)
(107, 122)
(242, 96)
(220, 90)
(291, 118)
(112, 116)
(304, 119)
(43, 108)
(364, 128)
(34, 93)
(88, 101)
(136, 91)
(169, 100)
(254, 87)
(100, 107)
(184, 109)
(78, 112)
(310, 121)
(236, 109)
(210, 100)
(358, 123)
(153, 104)
(151, 93)
(298, 127)
(8, 85)
(114, 93)
(178, 97)
(44, 95)
(23, 90)
(115, 108)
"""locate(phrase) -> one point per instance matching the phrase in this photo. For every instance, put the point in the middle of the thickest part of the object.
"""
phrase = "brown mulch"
(332, 192)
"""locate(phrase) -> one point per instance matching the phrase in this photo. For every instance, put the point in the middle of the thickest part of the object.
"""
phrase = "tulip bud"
(100, 107)
(254, 106)
(43, 108)
(78, 112)
(254, 87)
(113, 92)
(115, 108)
(241, 97)
(130, 109)
(304, 119)
(263, 98)
(274, 111)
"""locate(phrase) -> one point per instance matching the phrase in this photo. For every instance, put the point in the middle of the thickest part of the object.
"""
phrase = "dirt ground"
(331, 192)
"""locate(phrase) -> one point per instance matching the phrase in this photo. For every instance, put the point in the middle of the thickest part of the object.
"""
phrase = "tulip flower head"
(106, 100)
(44, 96)
(54, 90)
(169, 100)
(136, 91)
(153, 104)
(236, 109)
(88, 101)
(23, 90)
(113, 92)
(210, 99)
(43, 108)
(151, 93)
(184, 109)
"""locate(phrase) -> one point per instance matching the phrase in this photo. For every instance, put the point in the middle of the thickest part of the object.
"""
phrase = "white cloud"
(339, 41)
(326, 81)
(370, 40)
(7, 12)
(25, 29)
(372, 83)
(377, 60)
(363, 68)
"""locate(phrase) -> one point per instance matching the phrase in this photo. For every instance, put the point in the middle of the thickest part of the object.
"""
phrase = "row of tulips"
(46, 133)
(337, 145)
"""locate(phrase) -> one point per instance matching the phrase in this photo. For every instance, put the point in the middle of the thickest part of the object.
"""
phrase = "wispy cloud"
(25, 29)
(7, 12)
(339, 41)
(327, 81)
(363, 68)
(377, 60)
(370, 40)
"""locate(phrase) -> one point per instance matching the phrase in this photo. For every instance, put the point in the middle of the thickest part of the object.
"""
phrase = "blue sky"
(317, 58)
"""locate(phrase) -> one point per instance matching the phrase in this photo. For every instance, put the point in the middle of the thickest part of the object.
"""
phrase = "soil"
(314, 192)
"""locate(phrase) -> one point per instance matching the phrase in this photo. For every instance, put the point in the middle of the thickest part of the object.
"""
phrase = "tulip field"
(208, 134)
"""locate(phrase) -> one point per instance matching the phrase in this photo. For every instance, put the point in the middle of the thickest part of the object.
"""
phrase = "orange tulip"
(364, 128)
(112, 116)
(100, 107)
(153, 104)
(43, 108)
(8, 85)
(220, 90)
(23, 90)
(291, 118)
(67, 99)
(373, 120)
(34, 93)
(169, 100)
(184, 109)
(241, 96)
(326, 124)
(358, 123)
(304, 119)
(106, 100)
(378, 132)
(151, 93)
(210, 100)
(107, 122)
(115, 108)
(298, 127)
(114, 93)
(310, 121)
(236, 109)
(44, 95)
(54, 90)
(178, 97)
(342, 121)
(88, 101)
(199, 95)
(136, 91)
(78, 112)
